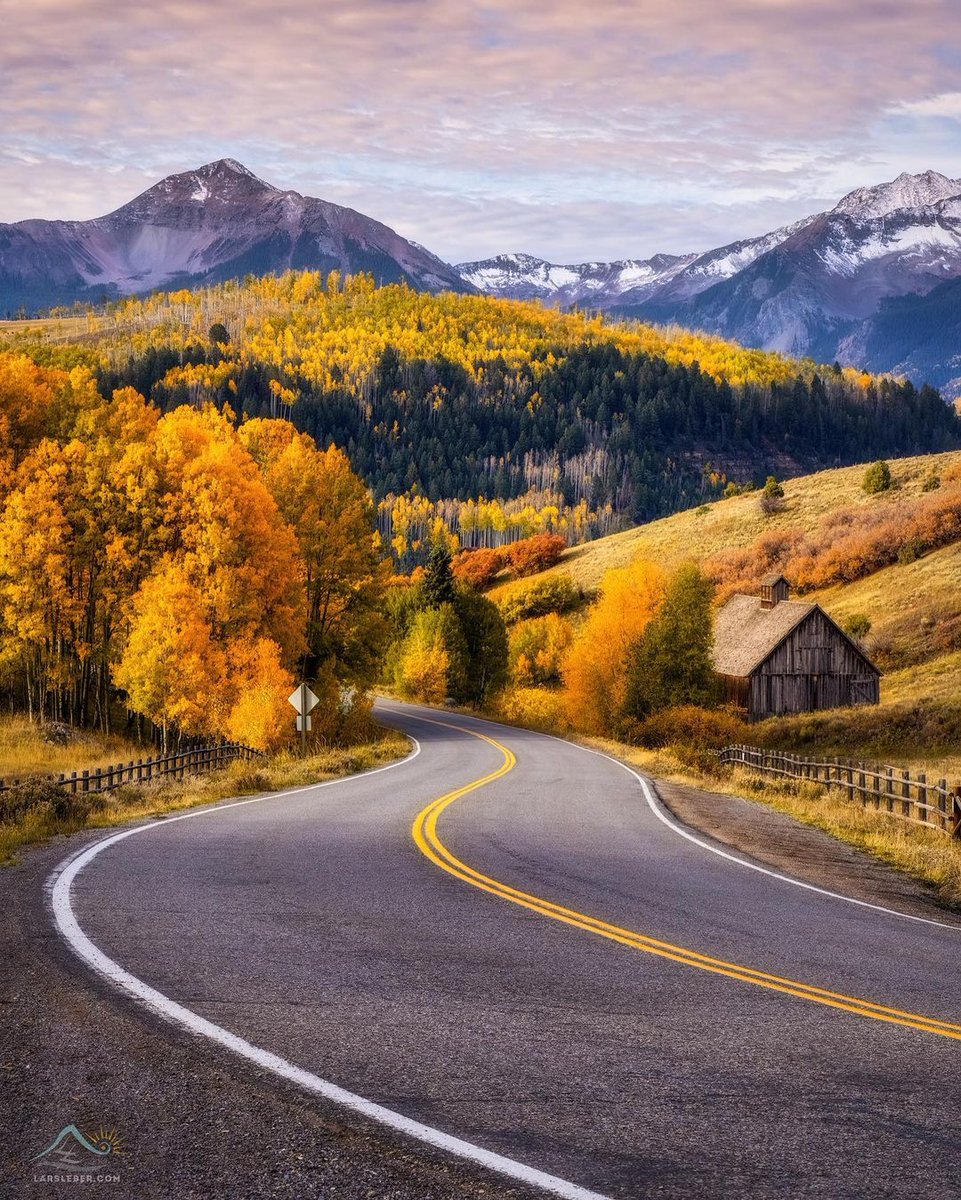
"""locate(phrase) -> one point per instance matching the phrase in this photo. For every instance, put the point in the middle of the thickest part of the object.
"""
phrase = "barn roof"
(745, 633)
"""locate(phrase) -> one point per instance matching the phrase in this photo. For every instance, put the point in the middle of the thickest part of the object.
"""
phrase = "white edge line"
(657, 807)
(60, 884)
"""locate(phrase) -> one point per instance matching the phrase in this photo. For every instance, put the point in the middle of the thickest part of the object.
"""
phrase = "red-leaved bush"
(850, 544)
(534, 554)
(479, 567)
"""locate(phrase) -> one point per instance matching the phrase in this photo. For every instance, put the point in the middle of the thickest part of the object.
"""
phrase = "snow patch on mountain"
(524, 277)
(935, 243)
(905, 192)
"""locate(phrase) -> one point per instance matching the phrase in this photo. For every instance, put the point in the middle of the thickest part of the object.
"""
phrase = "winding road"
(505, 946)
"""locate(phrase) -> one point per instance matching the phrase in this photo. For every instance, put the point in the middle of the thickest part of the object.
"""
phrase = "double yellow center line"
(429, 842)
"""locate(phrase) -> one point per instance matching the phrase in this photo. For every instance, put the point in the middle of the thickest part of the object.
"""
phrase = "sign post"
(304, 701)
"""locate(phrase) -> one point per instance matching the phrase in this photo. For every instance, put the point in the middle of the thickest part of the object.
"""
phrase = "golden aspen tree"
(171, 668)
(595, 669)
(258, 713)
(331, 514)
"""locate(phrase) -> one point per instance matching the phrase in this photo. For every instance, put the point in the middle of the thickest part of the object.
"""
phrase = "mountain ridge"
(213, 223)
(822, 286)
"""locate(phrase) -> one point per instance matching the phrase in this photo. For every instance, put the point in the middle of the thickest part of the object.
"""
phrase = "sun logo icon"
(107, 1141)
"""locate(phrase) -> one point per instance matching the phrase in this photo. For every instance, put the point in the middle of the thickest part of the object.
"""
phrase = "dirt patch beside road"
(800, 850)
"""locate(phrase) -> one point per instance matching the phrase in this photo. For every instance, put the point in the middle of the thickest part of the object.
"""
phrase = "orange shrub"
(698, 728)
(478, 568)
(534, 554)
(850, 544)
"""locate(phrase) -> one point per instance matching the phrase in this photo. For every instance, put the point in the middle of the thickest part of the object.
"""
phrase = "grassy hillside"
(914, 606)
(738, 521)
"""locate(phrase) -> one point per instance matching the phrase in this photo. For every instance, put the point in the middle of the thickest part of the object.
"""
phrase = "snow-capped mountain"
(663, 278)
(523, 277)
(907, 191)
(218, 222)
(807, 293)
(825, 285)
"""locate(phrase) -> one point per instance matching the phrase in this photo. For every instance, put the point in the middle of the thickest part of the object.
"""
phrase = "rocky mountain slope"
(218, 222)
(839, 284)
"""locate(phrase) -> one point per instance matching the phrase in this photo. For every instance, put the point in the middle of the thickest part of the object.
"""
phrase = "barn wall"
(815, 667)
(735, 689)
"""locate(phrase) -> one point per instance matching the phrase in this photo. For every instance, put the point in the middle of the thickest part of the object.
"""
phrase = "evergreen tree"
(877, 478)
(485, 637)
(438, 586)
(671, 663)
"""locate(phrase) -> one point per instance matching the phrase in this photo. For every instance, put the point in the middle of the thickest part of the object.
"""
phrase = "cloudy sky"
(572, 129)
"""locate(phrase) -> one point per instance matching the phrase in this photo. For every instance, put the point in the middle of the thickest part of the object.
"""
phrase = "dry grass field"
(737, 521)
(57, 328)
(28, 749)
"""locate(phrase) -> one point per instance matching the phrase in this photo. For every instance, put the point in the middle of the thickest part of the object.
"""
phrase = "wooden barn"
(776, 656)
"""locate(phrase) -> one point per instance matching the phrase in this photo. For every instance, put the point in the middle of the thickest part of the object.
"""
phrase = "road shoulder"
(779, 841)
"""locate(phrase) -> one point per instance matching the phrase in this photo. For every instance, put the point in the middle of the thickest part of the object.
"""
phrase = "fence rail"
(889, 790)
(144, 770)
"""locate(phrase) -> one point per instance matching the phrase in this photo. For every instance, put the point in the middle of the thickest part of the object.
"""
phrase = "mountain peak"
(907, 191)
(228, 171)
(224, 184)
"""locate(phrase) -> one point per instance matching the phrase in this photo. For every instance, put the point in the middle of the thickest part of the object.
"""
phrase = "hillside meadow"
(737, 521)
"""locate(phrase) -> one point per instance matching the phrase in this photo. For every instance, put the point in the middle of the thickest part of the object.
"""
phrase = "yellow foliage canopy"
(595, 670)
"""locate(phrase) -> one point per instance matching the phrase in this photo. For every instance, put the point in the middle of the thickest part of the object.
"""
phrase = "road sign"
(303, 699)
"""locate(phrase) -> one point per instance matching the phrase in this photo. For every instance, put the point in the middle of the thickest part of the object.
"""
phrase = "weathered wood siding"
(735, 689)
(815, 667)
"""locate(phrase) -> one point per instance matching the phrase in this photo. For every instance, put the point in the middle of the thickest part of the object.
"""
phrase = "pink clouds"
(518, 107)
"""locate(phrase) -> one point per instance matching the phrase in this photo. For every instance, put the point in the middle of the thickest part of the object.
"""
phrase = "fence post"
(943, 803)
(956, 813)
(923, 796)
(85, 781)
(905, 793)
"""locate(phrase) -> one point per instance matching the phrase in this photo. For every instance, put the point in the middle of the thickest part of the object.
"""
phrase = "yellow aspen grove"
(171, 667)
(231, 540)
(331, 514)
(595, 669)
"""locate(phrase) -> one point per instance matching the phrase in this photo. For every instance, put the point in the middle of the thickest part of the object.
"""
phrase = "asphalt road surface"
(543, 966)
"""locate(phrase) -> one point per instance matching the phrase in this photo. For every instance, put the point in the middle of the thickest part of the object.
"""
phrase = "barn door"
(862, 689)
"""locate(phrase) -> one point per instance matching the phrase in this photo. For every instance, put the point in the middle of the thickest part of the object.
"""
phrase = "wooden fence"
(144, 770)
(889, 790)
